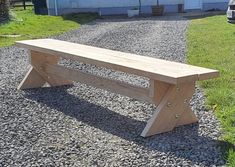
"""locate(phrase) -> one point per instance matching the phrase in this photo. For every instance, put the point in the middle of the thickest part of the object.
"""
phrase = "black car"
(231, 11)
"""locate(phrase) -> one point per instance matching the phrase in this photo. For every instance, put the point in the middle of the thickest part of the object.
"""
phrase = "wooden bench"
(171, 84)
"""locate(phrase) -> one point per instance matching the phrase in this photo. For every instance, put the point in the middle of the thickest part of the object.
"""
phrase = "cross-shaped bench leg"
(37, 77)
(173, 109)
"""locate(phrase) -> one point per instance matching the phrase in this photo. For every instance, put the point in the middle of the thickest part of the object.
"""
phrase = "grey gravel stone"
(85, 126)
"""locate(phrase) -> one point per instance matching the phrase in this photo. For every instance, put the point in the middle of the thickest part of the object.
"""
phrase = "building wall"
(109, 3)
(215, 1)
(215, 4)
(106, 7)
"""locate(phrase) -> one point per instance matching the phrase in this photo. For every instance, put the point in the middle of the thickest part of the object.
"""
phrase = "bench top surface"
(162, 70)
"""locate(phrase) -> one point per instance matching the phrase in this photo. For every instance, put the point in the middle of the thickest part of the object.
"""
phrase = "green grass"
(211, 43)
(31, 26)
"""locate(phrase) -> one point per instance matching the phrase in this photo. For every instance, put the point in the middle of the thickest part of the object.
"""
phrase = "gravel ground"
(85, 126)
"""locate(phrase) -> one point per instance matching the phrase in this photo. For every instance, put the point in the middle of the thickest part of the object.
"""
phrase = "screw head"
(168, 104)
(177, 116)
(178, 89)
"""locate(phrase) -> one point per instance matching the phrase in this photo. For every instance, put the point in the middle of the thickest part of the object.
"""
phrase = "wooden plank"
(156, 69)
(187, 117)
(38, 59)
(170, 110)
(99, 82)
(157, 90)
(32, 80)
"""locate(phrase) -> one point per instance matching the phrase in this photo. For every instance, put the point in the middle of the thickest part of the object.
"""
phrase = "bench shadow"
(81, 18)
(183, 142)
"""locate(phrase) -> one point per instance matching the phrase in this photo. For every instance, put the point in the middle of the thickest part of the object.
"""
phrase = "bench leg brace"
(37, 77)
(173, 109)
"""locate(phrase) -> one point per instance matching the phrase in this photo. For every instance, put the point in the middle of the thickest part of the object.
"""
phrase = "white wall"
(110, 3)
(214, 1)
(116, 3)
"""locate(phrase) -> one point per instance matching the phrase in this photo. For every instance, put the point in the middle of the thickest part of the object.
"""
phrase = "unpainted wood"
(36, 77)
(32, 80)
(171, 109)
(156, 69)
(157, 90)
(187, 117)
(115, 86)
(171, 84)
(38, 60)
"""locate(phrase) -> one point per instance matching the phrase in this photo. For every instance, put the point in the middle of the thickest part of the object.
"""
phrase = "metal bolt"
(168, 104)
(178, 89)
(177, 116)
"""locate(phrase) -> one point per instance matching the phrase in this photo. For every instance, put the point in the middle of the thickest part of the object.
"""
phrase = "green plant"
(24, 24)
(210, 44)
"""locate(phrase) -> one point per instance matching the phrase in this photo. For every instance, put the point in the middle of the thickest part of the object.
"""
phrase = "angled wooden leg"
(37, 77)
(173, 110)
(32, 80)
(39, 60)
(188, 117)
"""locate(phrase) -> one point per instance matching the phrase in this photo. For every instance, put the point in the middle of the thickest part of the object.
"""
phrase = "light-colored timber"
(115, 86)
(171, 109)
(39, 59)
(32, 80)
(157, 69)
(171, 84)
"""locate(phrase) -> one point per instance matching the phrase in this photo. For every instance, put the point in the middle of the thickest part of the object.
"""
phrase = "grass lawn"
(31, 26)
(211, 43)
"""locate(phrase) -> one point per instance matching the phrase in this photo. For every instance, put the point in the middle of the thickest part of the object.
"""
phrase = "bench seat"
(162, 70)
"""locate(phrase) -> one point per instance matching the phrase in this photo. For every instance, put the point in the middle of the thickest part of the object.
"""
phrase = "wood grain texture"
(36, 77)
(39, 59)
(172, 110)
(156, 69)
(31, 80)
(171, 84)
(115, 86)
(157, 90)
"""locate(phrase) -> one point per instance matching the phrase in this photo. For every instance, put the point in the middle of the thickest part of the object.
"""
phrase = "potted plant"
(133, 12)
(157, 10)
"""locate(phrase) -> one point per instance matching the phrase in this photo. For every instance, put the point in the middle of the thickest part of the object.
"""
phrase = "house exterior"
(110, 7)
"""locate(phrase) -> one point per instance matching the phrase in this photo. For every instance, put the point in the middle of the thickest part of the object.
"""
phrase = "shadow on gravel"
(183, 142)
(147, 18)
(177, 17)
(81, 18)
